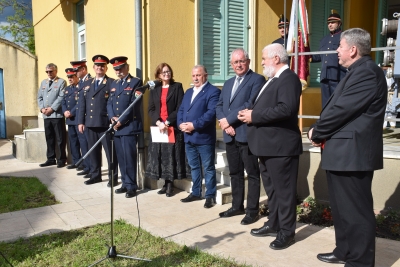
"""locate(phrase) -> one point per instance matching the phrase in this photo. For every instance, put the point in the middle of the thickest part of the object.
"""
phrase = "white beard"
(269, 71)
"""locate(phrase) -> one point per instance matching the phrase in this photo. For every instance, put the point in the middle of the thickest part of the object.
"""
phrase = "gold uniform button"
(328, 48)
(90, 116)
(117, 103)
(326, 61)
(117, 96)
(92, 97)
(117, 108)
(329, 41)
(91, 104)
(91, 110)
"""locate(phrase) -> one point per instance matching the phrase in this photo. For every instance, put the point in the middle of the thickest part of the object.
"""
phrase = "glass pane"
(80, 15)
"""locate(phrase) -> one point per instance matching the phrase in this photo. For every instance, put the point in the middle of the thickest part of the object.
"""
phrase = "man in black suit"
(349, 132)
(274, 136)
(236, 95)
(94, 121)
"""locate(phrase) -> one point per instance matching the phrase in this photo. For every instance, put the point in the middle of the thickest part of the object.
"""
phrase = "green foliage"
(311, 212)
(23, 193)
(388, 224)
(20, 28)
(85, 246)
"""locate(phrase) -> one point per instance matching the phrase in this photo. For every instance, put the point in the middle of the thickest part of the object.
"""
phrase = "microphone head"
(153, 84)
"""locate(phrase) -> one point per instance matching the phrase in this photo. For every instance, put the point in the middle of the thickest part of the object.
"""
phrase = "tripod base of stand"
(112, 254)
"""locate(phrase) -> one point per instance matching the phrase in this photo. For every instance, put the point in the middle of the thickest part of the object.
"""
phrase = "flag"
(303, 69)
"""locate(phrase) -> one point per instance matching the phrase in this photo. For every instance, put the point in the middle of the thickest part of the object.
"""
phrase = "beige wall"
(20, 86)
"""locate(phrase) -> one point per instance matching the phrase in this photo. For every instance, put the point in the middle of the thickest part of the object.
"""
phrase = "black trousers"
(54, 130)
(279, 176)
(240, 159)
(351, 201)
(93, 134)
(327, 89)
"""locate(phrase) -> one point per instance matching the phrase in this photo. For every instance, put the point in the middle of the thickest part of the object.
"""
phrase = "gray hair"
(200, 67)
(51, 66)
(246, 55)
(277, 50)
(359, 38)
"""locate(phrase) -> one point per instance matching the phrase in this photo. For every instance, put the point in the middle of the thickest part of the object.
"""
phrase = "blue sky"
(9, 12)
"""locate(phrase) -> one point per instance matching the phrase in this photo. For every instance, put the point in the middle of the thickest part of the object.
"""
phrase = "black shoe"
(231, 212)
(121, 190)
(163, 190)
(115, 183)
(169, 190)
(60, 164)
(89, 175)
(263, 231)
(73, 166)
(210, 202)
(190, 198)
(48, 163)
(93, 181)
(80, 168)
(282, 242)
(130, 193)
(249, 219)
(82, 172)
(330, 258)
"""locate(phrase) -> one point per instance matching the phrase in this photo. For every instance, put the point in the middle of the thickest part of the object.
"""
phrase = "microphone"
(150, 85)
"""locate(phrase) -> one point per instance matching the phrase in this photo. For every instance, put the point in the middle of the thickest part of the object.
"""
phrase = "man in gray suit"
(49, 98)
(236, 95)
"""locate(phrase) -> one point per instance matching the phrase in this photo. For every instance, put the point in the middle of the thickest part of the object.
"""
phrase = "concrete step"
(220, 158)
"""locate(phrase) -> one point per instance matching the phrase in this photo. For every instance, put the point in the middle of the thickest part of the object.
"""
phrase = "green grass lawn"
(85, 246)
(23, 193)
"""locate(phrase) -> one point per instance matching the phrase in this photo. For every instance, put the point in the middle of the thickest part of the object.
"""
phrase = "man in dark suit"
(69, 106)
(331, 71)
(122, 94)
(94, 120)
(196, 119)
(236, 95)
(84, 77)
(274, 136)
(50, 95)
(349, 131)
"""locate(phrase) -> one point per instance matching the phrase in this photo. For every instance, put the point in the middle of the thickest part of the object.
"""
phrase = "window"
(320, 11)
(223, 27)
(80, 20)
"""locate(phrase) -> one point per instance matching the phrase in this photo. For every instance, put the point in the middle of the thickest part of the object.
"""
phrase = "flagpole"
(284, 37)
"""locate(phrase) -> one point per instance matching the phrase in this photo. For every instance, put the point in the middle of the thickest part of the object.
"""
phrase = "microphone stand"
(112, 251)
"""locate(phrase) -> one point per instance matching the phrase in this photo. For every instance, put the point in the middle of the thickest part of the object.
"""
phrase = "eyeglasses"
(49, 71)
(165, 72)
(237, 62)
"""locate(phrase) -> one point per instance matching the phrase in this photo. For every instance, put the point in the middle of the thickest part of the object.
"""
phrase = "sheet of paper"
(158, 137)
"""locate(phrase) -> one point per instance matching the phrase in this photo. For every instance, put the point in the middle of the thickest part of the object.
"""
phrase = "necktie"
(235, 86)
(50, 83)
(96, 85)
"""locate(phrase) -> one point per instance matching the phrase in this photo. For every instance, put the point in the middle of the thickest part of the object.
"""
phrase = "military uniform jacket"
(51, 96)
(121, 96)
(93, 105)
(70, 103)
(330, 68)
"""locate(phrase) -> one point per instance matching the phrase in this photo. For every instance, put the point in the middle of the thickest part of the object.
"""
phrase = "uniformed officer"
(49, 100)
(128, 126)
(331, 71)
(69, 107)
(93, 118)
(283, 27)
(84, 77)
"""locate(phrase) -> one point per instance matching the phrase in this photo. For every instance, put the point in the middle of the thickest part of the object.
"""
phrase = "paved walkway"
(188, 223)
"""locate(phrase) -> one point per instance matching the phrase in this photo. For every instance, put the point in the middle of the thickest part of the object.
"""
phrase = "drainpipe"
(139, 73)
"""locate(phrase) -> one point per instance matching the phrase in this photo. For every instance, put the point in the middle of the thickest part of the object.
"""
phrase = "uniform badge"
(106, 95)
(128, 89)
(104, 81)
(66, 92)
(129, 79)
(137, 94)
